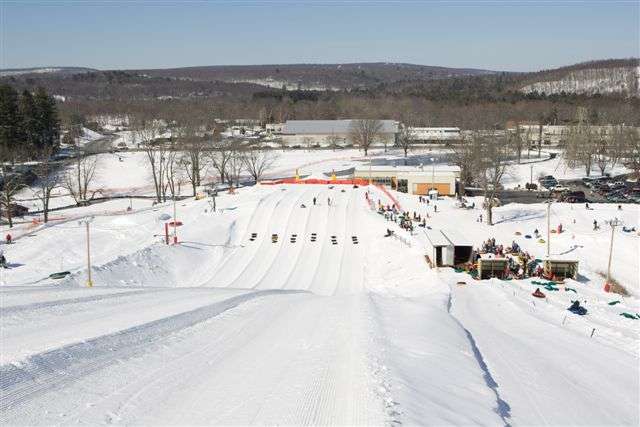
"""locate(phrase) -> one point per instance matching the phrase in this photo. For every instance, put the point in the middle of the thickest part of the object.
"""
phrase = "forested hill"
(613, 76)
(315, 76)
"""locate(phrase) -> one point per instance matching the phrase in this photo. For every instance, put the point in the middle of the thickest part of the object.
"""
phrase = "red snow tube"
(538, 293)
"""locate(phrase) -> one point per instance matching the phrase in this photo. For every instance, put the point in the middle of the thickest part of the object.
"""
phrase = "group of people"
(315, 201)
(404, 219)
(520, 262)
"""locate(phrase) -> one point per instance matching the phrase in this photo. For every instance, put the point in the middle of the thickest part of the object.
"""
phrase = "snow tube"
(570, 289)
(614, 302)
(59, 275)
(527, 236)
(538, 293)
(550, 287)
(541, 241)
(629, 316)
(517, 233)
(577, 309)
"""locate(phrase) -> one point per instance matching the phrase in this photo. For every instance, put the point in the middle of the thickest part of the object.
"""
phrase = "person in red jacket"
(8, 238)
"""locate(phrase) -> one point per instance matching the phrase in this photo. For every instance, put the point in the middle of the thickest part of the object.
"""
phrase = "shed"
(560, 268)
(462, 247)
(439, 251)
(492, 267)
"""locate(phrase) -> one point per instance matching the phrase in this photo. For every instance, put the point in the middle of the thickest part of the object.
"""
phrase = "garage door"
(423, 188)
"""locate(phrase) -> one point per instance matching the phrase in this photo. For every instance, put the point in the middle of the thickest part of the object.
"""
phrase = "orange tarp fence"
(354, 181)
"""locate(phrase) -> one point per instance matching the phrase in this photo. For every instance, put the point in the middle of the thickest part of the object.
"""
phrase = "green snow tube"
(614, 302)
(629, 316)
(60, 275)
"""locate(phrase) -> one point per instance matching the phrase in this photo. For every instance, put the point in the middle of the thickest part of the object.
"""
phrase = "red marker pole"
(166, 232)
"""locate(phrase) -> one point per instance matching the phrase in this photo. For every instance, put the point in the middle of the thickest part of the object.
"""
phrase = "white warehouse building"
(331, 132)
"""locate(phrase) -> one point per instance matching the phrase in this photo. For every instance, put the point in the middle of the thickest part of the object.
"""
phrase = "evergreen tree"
(29, 124)
(47, 117)
(10, 122)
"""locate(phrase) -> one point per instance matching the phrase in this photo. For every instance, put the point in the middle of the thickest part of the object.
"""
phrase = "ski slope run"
(274, 313)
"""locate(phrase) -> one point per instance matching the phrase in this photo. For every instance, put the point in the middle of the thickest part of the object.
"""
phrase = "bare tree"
(172, 175)
(491, 164)
(364, 132)
(12, 183)
(307, 142)
(630, 150)
(465, 155)
(79, 178)
(257, 162)
(333, 141)
(47, 180)
(157, 155)
(236, 166)
(582, 143)
(220, 155)
(517, 142)
(192, 160)
(405, 138)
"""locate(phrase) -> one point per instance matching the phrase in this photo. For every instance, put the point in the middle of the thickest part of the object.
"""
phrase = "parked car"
(548, 183)
(574, 197)
(16, 210)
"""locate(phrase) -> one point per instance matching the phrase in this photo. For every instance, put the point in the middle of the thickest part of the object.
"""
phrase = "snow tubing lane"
(39, 305)
(45, 371)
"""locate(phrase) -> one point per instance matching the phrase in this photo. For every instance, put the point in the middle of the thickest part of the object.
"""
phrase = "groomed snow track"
(330, 264)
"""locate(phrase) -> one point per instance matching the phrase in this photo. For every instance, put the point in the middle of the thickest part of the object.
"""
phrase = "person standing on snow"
(329, 201)
(8, 238)
(314, 201)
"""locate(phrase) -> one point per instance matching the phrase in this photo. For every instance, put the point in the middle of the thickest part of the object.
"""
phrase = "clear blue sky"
(506, 35)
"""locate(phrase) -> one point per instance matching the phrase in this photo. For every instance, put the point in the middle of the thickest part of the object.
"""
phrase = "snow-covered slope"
(620, 80)
(230, 327)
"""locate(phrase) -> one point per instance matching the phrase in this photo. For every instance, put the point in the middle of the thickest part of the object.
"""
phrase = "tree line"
(29, 122)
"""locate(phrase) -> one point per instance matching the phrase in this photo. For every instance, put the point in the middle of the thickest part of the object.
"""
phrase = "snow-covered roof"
(312, 127)
(436, 238)
(417, 169)
(456, 238)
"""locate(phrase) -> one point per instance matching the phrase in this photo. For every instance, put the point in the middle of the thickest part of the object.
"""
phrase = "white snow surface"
(228, 329)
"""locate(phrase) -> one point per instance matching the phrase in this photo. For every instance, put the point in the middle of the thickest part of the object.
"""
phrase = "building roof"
(312, 127)
(436, 238)
(456, 238)
(427, 169)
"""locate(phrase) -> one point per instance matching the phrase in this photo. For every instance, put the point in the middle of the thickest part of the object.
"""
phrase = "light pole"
(86, 222)
(613, 223)
(548, 229)
(175, 222)
(531, 176)
(433, 173)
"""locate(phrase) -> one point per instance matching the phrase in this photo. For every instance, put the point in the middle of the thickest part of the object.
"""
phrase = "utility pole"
(531, 176)
(548, 229)
(175, 222)
(86, 223)
(613, 223)
(433, 173)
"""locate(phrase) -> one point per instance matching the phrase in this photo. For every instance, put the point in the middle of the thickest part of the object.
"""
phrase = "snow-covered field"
(231, 328)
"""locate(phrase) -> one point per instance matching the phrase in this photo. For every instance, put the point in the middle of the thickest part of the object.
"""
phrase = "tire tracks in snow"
(502, 407)
(51, 369)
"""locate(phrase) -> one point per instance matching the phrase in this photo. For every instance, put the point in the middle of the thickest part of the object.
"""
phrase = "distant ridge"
(5, 72)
